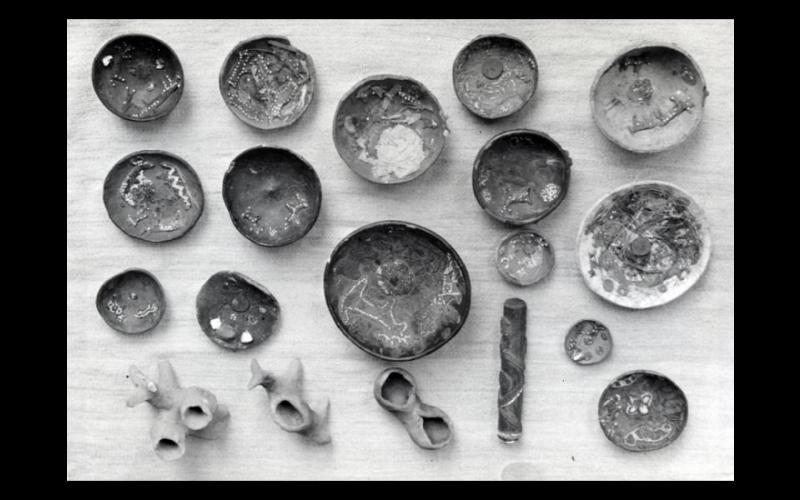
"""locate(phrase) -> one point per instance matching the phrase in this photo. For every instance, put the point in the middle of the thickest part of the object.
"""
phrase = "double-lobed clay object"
(153, 196)
(288, 406)
(236, 312)
(266, 82)
(389, 129)
(397, 290)
(137, 77)
(180, 411)
(131, 302)
(649, 98)
(495, 76)
(396, 391)
(273, 196)
(520, 176)
(643, 245)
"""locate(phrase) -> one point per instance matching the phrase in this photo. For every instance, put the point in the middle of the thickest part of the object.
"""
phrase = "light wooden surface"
(690, 340)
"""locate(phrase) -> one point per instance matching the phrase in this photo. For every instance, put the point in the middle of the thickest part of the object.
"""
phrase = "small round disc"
(649, 98)
(495, 76)
(235, 312)
(642, 411)
(643, 245)
(520, 176)
(389, 129)
(272, 195)
(524, 257)
(137, 77)
(267, 83)
(153, 196)
(131, 302)
(588, 342)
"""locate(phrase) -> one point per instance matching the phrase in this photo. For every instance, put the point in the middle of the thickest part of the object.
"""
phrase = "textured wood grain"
(690, 340)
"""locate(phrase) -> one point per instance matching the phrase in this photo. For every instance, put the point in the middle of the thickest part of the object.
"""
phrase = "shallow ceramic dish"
(266, 82)
(153, 196)
(643, 245)
(397, 290)
(524, 257)
(137, 77)
(649, 98)
(131, 302)
(389, 129)
(495, 76)
(273, 196)
(520, 176)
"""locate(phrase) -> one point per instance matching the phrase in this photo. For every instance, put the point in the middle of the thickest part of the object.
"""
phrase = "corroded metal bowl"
(389, 129)
(153, 196)
(649, 98)
(138, 77)
(131, 302)
(520, 176)
(495, 75)
(266, 82)
(272, 195)
(643, 245)
(642, 411)
(397, 290)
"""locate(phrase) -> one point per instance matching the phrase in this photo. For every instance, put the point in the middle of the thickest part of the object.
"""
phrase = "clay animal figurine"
(192, 410)
(289, 409)
(429, 427)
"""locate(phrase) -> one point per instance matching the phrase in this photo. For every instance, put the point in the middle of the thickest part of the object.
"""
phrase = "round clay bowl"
(520, 176)
(131, 302)
(138, 77)
(588, 342)
(273, 196)
(153, 196)
(643, 245)
(389, 129)
(236, 312)
(642, 411)
(495, 76)
(397, 290)
(524, 257)
(649, 98)
(267, 83)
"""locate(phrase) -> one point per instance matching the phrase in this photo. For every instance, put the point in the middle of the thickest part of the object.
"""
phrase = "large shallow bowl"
(397, 290)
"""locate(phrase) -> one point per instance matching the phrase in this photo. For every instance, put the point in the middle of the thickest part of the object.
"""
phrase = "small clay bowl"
(520, 176)
(131, 302)
(389, 129)
(153, 196)
(649, 98)
(524, 257)
(272, 195)
(643, 245)
(235, 312)
(397, 290)
(138, 77)
(588, 342)
(642, 411)
(495, 76)
(266, 82)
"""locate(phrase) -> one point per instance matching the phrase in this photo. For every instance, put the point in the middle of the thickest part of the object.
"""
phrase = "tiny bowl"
(266, 82)
(643, 245)
(649, 98)
(131, 302)
(153, 196)
(642, 411)
(494, 76)
(588, 342)
(389, 129)
(273, 195)
(524, 257)
(520, 176)
(236, 312)
(397, 290)
(138, 77)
